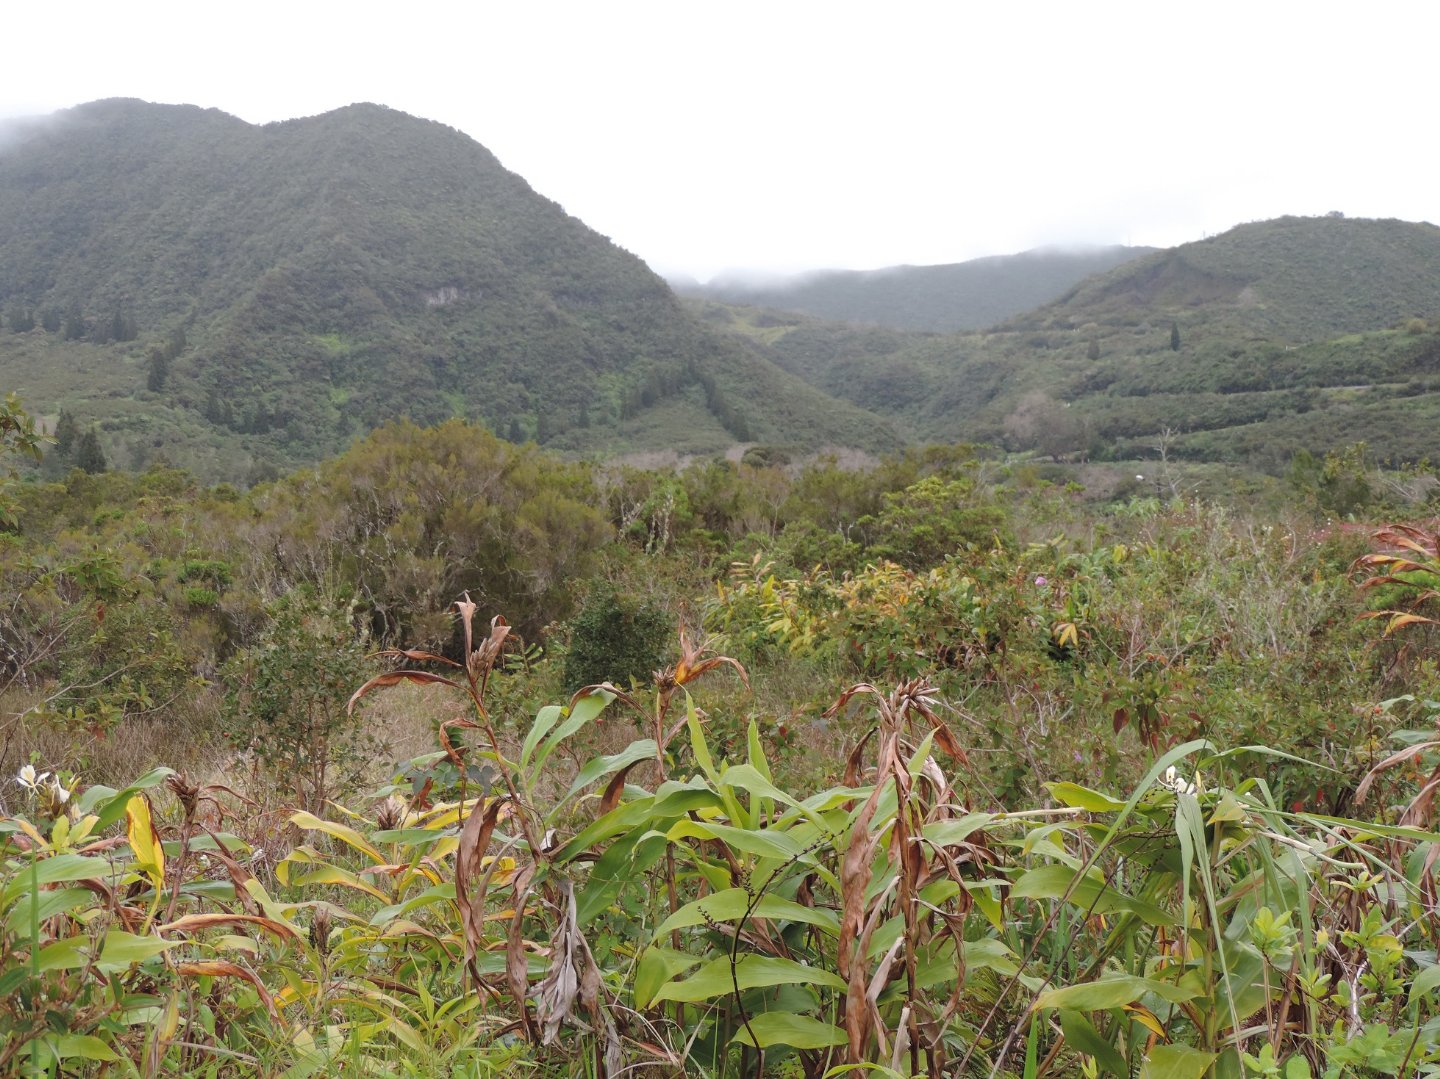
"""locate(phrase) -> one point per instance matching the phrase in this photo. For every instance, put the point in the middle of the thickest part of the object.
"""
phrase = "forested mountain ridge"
(1250, 346)
(215, 290)
(939, 299)
(1291, 279)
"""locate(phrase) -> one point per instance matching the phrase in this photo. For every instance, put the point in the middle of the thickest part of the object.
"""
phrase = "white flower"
(61, 795)
(1174, 781)
(27, 777)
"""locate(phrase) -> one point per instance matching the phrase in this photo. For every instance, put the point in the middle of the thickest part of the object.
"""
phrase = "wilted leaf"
(192, 923)
(517, 966)
(471, 876)
(394, 678)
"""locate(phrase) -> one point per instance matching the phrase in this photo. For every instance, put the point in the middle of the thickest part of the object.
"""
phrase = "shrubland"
(954, 764)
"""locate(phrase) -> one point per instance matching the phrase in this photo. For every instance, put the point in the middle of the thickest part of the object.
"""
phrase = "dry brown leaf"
(855, 872)
(615, 788)
(1398, 757)
(467, 617)
(469, 853)
(516, 965)
(413, 654)
(461, 723)
(556, 995)
(192, 922)
(394, 678)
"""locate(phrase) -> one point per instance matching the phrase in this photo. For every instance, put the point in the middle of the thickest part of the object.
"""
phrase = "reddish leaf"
(615, 788)
(469, 853)
(517, 966)
(413, 654)
(394, 678)
(192, 922)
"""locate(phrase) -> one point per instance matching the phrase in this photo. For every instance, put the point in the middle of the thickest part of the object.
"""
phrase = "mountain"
(1293, 279)
(1274, 337)
(940, 299)
(242, 298)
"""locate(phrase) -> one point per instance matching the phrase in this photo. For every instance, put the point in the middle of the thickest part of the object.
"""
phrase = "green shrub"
(286, 698)
(616, 639)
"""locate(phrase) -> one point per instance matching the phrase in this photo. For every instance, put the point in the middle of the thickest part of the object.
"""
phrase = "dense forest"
(450, 756)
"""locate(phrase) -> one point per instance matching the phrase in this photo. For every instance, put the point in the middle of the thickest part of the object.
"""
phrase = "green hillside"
(249, 298)
(1290, 280)
(940, 299)
(1300, 333)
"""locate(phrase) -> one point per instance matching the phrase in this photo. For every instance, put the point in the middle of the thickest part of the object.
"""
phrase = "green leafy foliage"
(287, 694)
(615, 639)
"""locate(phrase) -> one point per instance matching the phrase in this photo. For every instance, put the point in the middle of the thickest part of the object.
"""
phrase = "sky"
(787, 135)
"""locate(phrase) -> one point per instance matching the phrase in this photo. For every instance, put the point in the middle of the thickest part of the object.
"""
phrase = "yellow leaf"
(144, 843)
(1146, 1018)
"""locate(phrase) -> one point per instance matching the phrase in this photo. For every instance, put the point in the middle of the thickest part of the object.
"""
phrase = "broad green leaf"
(85, 1046)
(120, 950)
(1089, 893)
(1081, 1036)
(729, 905)
(619, 820)
(584, 710)
(757, 752)
(945, 833)
(990, 954)
(644, 749)
(1297, 1067)
(786, 1028)
(109, 805)
(764, 843)
(1112, 992)
(689, 800)
(714, 979)
(698, 745)
(66, 954)
(50, 904)
(419, 838)
(1176, 1062)
(1227, 809)
(61, 867)
(545, 719)
(749, 778)
(655, 967)
(439, 893)
(626, 860)
(1078, 797)
(331, 874)
(1425, 982)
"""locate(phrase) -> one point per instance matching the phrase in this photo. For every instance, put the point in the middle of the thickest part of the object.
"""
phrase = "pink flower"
(1041, 582)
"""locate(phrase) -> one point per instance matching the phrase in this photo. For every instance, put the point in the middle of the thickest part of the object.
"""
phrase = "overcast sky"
(784, 135)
